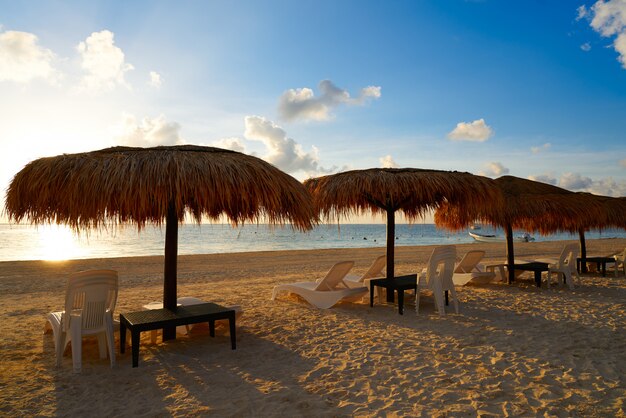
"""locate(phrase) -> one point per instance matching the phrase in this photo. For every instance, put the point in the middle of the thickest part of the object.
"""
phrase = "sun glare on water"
(57, 243)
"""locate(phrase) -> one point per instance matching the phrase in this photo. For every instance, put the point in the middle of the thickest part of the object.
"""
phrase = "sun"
(57, 243)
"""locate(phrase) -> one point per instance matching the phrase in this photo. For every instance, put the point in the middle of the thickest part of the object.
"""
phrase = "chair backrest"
(469, 261)
(334, 276)
(568, 256)
(441, 267)
(376, 269)
(91, 293)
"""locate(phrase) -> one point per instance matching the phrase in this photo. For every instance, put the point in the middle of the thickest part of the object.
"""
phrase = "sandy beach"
(514, 350)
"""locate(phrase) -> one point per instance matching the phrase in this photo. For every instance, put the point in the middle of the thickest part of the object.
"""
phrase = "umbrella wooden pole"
(583, 251)
(169, 273)
(510, 253)
(391, 235)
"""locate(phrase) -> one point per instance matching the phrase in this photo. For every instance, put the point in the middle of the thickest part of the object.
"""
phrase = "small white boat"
(494, 238)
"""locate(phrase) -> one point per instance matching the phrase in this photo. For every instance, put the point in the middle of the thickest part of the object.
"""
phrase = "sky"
(534, 88)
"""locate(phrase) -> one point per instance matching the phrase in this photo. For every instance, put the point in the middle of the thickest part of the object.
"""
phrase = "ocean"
(26, 242)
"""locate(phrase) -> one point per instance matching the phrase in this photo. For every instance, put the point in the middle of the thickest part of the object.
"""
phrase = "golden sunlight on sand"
(513, 350)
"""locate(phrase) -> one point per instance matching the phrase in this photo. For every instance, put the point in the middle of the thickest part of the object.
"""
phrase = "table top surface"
(159, 315)
(406, 280)
(534, 265)
(599, 258)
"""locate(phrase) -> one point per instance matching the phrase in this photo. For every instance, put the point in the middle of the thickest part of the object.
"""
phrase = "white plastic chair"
(565, 265)
(620, 259)
(375, 271)
(325, 292)
(89, 304)
(438, 278)
(470, 271)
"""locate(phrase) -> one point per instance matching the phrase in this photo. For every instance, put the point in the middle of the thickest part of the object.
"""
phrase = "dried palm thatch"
(137, 185)
(387, 190)
(527, 205)
(152, 185)
(613, 216)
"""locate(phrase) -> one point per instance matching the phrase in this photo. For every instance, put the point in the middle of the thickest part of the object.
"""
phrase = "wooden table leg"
(538, 278)
(372, 294)
(233, 338)
(134, 348)
(122, 337)
(212, 328)
(400, 301)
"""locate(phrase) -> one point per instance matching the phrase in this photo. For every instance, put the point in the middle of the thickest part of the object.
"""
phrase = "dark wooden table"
(139, 321)
(600, 263)
(536, 267)
(399, 284)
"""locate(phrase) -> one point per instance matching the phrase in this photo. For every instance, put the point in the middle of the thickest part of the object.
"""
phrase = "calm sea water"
(25, 242)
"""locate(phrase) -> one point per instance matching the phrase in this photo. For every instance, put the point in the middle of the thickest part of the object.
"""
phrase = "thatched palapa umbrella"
(613, 216)
(154, 185)
(387, 190)
(527, 205)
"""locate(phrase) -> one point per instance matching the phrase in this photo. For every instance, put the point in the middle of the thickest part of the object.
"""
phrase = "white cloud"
(477, 131)
(574, 181)
(234, 144)
(544, 178)
(22, 59)
(541, 148)
(148, 132)
(605, 186)
(623, 163)
(586, 47)
(283, 152)
(388, 162)
(608, 187)
(494, 169)
(302, 103)
(608, 18)
(103, 62)
(155, 79)
(620, 47)
(582, 12)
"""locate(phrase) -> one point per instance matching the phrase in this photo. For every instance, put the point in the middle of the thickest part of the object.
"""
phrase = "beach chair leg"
(77, 345)
(417, 301)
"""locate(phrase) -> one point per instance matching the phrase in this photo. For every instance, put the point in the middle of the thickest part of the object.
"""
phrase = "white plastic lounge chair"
(565, 265)
(188, 301)
(470, 271)
(438, 278)
(89, 304)
(375, 271)
(620, 259)
(326, 292)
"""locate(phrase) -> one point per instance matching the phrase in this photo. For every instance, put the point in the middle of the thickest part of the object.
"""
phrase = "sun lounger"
(470, 271)
(375, 271)
(326, 292)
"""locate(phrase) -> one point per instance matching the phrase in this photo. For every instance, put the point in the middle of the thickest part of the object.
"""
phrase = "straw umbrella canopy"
(387, 190)
(614, 216)
(527, 205)
(158, 185)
